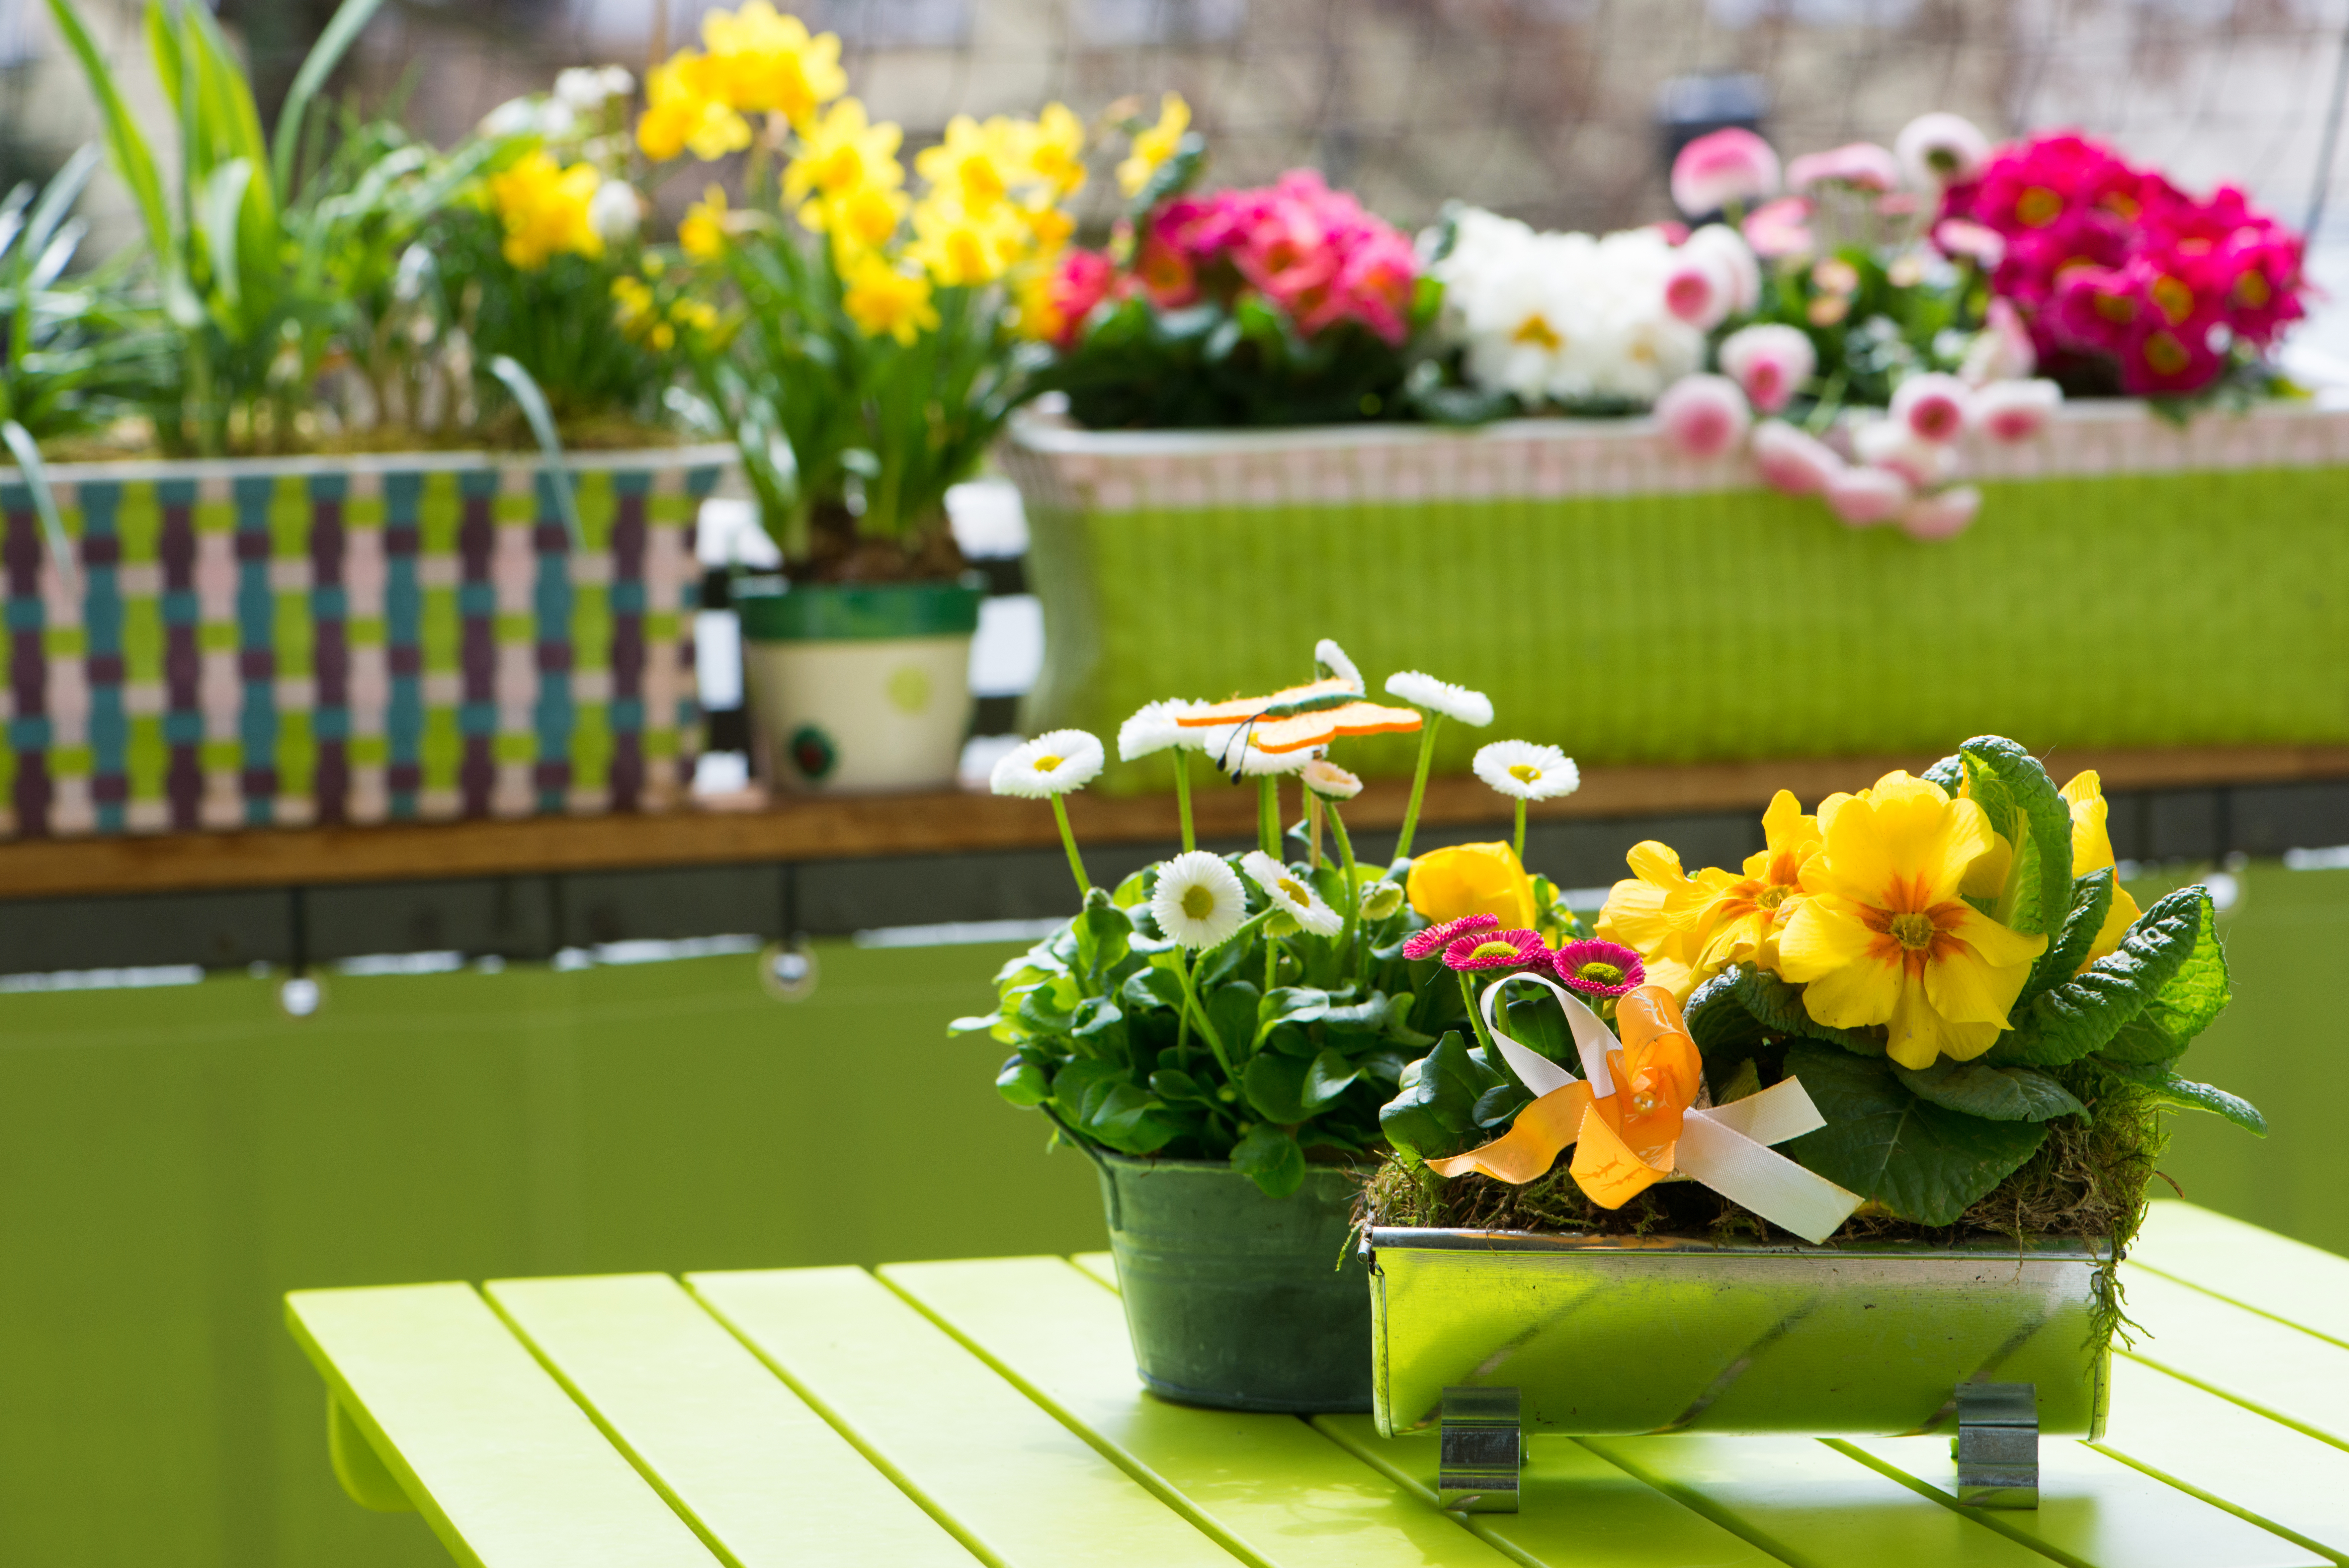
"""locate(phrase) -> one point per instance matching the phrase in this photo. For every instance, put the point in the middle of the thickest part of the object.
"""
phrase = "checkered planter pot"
(258, 643)
(2128, 583)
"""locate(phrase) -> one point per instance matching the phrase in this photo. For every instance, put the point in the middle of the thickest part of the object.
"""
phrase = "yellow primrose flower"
(2091, 850)
(879, 298)
(1155, 145)
(1882, 935)
(1472, 879)
(842, 152)
(685, 107)
(1747, 914)
(977, 164)
(963, 249)
(768, 63)
(1664, 915)
(702, 234)
(543, 208)
(1056, 149)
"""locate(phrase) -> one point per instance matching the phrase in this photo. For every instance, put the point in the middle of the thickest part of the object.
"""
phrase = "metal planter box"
(1614, 1335)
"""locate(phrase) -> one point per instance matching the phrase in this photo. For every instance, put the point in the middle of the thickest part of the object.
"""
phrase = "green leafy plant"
(79, 349)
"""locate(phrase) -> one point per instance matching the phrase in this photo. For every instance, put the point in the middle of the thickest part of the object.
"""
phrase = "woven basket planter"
(2128, 583)
(252, 643)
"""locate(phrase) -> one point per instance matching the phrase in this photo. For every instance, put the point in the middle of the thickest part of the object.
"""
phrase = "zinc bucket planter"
(859, 686)
(284, 642)
(1236, 1299)
(2188, 585)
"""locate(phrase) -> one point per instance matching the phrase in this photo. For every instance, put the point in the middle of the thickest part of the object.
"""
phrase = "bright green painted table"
(928, 1413)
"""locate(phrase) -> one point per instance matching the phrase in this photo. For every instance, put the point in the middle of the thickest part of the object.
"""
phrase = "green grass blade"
(64, 188)
(44, 502)
(132, 159)
(220, 210)
(524, 388)
(349, 20)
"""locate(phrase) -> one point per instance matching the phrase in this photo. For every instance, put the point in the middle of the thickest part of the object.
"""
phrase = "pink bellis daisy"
(1597, 968)
(1498, 950)
(1435, 938)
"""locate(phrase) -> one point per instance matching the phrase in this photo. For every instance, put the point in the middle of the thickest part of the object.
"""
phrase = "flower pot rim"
(772, 609)
(2059, 1247)
(701, 454)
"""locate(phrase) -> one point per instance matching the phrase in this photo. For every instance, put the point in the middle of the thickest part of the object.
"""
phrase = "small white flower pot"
(860, 687)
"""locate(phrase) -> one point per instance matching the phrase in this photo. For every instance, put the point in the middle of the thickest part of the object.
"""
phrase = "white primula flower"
(515, 117)
(1050, 764)
(1524, 771)
(1331, 782)
(1288, 892)
(1152, 728)
(1421, 691)
(1330, 660)
(612, 211)
(1199, 901)
(582, 87)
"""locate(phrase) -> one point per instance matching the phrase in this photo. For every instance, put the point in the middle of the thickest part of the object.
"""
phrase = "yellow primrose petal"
(1986, 877)
(1472, 879)
(1916, 1035)
(1848, 984)
(2001, 946)
(1965, 987)
(2092, 843)
(2123, 914)
(1154, 145)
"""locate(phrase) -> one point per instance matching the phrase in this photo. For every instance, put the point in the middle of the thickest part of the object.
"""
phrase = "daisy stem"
(1068, 842)
(1493, 1058)
(1267, 815)
(1346, 863)
(1418, 786)
(1313, 829)
(1207, 1025)
(1521, 831)
(1271, 961)
(1183, 796)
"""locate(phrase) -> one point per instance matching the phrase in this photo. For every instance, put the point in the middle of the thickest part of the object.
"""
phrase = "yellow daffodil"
(1882, 935)
(842, 152)
(1446, 885)
(768, 63)
(685, 107)
(1049, 227)
(881, 299)
(1748, 913)
(2091, 850)
(702, 234)
(1154, 145)
(1664, 914)
(542, 208)
(632, 304)
(962, 248)
(863, 219)
(1056, 150)
(1041, 319)
(975, 165)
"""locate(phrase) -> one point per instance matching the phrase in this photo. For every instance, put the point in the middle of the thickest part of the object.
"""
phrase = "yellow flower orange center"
(1770, 897)
(1198, 902)
(1914, 932)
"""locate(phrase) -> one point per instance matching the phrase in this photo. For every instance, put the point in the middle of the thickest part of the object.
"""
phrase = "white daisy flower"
(1050, 764)
(1331, 782)
(1152, 728)
(1199, 902)
(1524, 771)
(1421, 691)
(1232, 749)
(1329, 659)
(1288, 892)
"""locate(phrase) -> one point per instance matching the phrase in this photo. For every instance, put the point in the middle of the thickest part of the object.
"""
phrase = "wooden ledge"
(821, 827)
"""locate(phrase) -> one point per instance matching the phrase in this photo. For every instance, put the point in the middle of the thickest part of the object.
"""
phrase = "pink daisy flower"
(1435, 938)
(1600, 969)
(1498, 950)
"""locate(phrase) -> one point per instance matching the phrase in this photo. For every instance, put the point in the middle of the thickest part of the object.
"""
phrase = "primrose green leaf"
(2092, 900)
(1269, 1157)
(2171, 1089)
(1022, 1082)
(2023, 804)
(1724, 1032)
(1330, 1074)
(2184, 1004)
(1924, 1162)
(1433, 1115)
(2000, 1093)
(1274, 1083)
(2085, 1013)
(1950, 773)
(1778, 1008)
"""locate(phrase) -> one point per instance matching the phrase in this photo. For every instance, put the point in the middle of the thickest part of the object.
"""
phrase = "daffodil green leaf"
(2085, 1013)
(1269, 1157)
(2171, 1089)
(2025, 809)
(2092, 900)
(1433, 1114)
(2189, 999)
(2001, 1094)
(1329, 1075)
(1925, 1162)
(1274, 1083)
(1024, 1082)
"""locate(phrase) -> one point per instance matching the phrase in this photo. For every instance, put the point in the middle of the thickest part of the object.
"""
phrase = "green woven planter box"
(2128, 583)
(258, 643)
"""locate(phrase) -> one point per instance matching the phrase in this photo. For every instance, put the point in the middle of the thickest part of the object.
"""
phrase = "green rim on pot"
(772, 610)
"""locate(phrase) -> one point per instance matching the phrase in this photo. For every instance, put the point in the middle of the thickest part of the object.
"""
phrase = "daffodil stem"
(1183, 798)
(1267, 815)
(1346, 864)
(1521, 831)
(1068, 842)
(1418, 786)
(1206, 1025)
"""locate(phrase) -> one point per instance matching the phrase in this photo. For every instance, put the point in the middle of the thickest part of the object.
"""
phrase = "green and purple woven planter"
(256, 643)
(2128, 583)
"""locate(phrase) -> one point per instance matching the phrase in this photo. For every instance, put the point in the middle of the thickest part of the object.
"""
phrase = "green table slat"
(2097, 1512)
(509, 1472)
(1018, 1486)
(2236, 1458)
(2267, 1272)
(1805, 1502)
(1101, 1266)
(2289, 1374)
(764, 1478)
(1578, 1510)
(1270, 1487)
